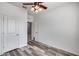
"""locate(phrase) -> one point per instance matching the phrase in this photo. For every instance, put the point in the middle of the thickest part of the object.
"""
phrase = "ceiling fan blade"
(28, 3)
(24, 7)
(37, 3)
(40, 2)
(43, 6)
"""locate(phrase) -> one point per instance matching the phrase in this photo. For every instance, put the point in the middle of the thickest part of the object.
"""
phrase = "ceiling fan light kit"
(36, 6)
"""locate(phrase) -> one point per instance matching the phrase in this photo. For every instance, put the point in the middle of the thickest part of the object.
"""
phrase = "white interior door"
(10, 35)
(13, 33)
(22, 26)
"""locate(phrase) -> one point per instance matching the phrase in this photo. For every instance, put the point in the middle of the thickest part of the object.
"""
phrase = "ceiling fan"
(36, 6)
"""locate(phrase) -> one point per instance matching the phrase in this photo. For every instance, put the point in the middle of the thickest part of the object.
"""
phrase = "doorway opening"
(29, 31)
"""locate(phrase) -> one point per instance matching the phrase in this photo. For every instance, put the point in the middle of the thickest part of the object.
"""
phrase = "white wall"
(59, 27)
(30, 18)
(11, 10)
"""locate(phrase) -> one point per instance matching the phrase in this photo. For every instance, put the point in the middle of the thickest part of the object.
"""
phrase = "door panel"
(12, 41)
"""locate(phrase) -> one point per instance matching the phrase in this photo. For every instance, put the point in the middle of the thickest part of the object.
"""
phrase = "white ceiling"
(50, 5)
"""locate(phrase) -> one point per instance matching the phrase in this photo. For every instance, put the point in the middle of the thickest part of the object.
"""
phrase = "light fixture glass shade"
(36, 11)
(32, 9)
(40, 9)
(36, 7)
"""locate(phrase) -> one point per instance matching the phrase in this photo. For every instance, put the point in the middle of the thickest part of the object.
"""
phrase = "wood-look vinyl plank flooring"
(34, 49)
